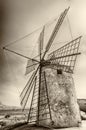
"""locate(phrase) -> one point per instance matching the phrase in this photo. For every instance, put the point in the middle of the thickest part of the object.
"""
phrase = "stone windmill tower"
(53, 102)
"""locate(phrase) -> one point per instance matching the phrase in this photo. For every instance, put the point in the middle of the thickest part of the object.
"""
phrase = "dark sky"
(20, 17)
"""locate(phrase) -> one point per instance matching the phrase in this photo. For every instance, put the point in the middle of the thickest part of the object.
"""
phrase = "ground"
(27, 127)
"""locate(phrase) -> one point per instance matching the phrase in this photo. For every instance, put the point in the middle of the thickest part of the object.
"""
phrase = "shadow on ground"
(24, 126)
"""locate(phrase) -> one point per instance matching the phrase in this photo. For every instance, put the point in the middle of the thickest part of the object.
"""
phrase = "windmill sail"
(41, 40)
(56, 29)
(65, 57)
(26, 92)
(27, 89)
(31, 65)
(44, 112)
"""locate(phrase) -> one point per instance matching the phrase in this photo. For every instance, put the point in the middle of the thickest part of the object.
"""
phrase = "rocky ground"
(27, 127)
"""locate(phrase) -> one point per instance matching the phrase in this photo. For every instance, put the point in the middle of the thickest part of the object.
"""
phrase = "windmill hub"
(44, 63)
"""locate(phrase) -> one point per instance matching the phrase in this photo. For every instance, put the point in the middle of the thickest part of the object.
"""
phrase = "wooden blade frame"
(27, 90)
(14, 52)
(65, 57)
(31, 66)
(44, 104)
(55, 31)
(41, 40)
(40, 68)
(29, 86)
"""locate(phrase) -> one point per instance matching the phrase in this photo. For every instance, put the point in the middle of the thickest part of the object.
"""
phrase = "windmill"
(62, 59)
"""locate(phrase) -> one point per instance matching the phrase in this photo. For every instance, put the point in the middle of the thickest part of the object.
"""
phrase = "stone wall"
(63, 101)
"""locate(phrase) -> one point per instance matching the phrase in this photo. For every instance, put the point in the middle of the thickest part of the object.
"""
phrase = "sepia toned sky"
(20, 17)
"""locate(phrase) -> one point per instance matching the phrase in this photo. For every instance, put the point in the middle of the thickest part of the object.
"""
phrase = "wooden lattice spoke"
(55, 31)
(65, 57)
(41, 40)
(27, 90)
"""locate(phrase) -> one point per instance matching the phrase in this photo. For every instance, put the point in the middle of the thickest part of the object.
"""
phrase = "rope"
(37, 40)
(27, 35)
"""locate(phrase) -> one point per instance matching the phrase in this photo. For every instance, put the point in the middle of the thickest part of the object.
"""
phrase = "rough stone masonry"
(62, 98)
